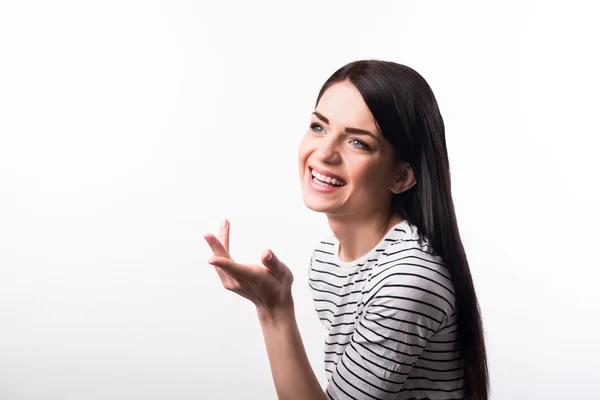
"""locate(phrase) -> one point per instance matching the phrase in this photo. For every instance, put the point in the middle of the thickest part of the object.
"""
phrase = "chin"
(316, 208)
(315, 204)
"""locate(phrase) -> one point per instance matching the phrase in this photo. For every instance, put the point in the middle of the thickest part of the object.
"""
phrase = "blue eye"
(364, 145)
(361, 145)
(313, 126)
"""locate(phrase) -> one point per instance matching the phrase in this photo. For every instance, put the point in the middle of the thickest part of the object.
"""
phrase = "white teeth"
(327, 179)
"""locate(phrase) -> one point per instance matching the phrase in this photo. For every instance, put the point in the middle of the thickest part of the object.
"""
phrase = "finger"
(224, 235)
(216, 246)
(225, 278)
(279, 270)
(231, 284)
(251, 273)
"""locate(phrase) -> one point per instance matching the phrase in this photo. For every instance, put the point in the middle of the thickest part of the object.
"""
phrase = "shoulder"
(412, 252)
(410, 275)
(322, 249)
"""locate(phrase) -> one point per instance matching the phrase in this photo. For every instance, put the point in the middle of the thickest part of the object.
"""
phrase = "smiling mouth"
(324, 183)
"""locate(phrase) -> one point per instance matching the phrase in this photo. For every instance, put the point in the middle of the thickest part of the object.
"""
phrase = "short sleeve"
(405, 305)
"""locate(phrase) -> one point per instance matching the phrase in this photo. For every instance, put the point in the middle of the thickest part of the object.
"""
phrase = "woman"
(392, 283)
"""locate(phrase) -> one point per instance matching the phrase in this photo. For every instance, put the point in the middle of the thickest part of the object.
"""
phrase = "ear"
(405, 178)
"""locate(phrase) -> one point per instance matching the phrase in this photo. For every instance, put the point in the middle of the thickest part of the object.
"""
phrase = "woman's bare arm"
(292, 373)
(269, 287)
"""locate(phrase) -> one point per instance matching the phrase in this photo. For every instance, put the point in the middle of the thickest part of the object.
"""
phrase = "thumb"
(277, 268)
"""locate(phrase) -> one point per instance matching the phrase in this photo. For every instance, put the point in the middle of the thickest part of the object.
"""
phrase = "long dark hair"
(407, 114)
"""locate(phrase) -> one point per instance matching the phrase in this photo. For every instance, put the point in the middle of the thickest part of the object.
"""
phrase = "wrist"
(281, 314)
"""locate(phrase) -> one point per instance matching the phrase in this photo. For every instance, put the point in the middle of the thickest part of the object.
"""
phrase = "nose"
(327, 150)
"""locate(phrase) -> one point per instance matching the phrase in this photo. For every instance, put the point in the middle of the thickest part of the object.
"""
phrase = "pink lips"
(327, 173)
(322, 188)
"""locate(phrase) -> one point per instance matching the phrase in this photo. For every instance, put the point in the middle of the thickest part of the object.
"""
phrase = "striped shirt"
(391, 320)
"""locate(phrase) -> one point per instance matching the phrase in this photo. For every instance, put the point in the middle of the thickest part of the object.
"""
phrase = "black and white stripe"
(391, 320)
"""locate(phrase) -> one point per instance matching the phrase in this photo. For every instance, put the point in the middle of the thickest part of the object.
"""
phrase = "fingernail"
(269, 255)
(207, 238)
(223, 224)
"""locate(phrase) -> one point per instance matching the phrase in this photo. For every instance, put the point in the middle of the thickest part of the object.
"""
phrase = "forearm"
(293, 376)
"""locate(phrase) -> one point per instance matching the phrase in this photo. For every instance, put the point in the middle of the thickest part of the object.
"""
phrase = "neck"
(357, 236)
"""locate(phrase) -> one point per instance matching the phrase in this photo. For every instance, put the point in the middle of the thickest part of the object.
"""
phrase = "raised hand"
(268, 286)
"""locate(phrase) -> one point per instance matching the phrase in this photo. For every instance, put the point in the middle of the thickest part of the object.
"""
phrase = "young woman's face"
(334, 145)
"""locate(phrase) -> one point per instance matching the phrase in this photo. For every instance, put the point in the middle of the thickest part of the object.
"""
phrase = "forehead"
(343, 105)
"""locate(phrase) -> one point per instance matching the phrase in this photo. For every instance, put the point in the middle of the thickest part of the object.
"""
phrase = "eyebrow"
(356, 131)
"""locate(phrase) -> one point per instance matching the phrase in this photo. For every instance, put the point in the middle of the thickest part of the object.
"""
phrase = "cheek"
(303, 151)
(366, 176)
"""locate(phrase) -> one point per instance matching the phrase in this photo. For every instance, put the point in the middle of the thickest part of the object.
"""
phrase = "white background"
(128, 129)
